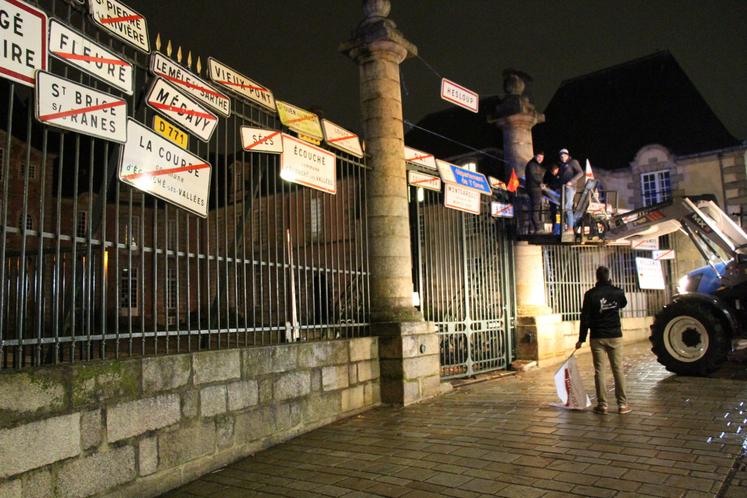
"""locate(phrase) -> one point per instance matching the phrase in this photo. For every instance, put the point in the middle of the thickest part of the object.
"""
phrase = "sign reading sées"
(240, 84)
(176, 105)
(23, 41)
(261, 140)
(121, 21)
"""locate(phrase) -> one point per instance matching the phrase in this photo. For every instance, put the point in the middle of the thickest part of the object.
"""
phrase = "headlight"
(682, 284)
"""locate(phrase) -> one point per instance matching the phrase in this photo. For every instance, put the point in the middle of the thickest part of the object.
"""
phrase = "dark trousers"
(535, 207)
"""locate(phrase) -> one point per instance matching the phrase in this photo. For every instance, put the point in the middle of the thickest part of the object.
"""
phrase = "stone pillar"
(408, 346)
(518, 147)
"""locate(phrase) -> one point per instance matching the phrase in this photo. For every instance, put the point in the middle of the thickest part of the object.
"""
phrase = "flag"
(570, 387)
(513, 182)
(589, 173)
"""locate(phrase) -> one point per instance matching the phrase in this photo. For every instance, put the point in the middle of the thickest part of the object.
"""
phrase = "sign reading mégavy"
(121, 21)
(169, 70)
(174, 104)
(308, 165)
(23, 41)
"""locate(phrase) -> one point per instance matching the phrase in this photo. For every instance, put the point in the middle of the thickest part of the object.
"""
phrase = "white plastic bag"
(570, 387)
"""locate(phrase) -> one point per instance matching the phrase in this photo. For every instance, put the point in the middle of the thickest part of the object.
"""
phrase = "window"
(171, 287)
(82, 228)
(655, 187)
(472, 166)
(124, 236)
(128, 288)
(171, 234)
(315, 220)
(29, 222)
(32, 170)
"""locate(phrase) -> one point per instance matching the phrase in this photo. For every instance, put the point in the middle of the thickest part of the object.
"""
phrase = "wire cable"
(444, 137)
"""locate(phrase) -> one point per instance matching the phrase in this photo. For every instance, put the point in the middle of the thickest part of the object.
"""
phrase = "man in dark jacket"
(570, 174)
(534, 175)
(601, 313)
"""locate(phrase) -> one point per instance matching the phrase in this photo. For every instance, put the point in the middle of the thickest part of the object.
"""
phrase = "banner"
(570, 387)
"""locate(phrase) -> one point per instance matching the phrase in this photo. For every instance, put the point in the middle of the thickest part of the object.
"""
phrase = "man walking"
(534, 175)
(601, 313)
(570, 174)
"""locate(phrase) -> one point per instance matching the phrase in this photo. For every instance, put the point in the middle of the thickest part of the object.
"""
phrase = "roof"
(608, 115)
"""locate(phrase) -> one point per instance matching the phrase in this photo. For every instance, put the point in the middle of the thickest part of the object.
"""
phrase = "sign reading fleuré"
(420, 158)
(196, 87)
(121, 21)
(308, 165)
(176, 105)
(23, 41)
(300, 120)
(152, 164)
(418, 179)
(453, 174)
(261, 140)
(461, 199)
(458, 95)
(342, 139)
(240, 84)
(71, 106)
(170, 132)
(80, 51)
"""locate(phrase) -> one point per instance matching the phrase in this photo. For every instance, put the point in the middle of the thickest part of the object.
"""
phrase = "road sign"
(80, 51)
(342, 139)
(418, 179)
(461, 199)
(645, 244)
(177, 106)
(23, 41)
(496, 183)
(458, 95)
(196, 87)
(300, 120)
(259, 140)
(308, 165)
(453, 174)
(170, 132)
(71, 106)
(649, 274)
(420, 158)
(154, 165)
(240, 84)
(663, 254)
(121, 21)
(501, 210)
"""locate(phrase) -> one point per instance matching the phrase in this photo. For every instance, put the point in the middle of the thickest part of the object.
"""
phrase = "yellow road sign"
(170, 132)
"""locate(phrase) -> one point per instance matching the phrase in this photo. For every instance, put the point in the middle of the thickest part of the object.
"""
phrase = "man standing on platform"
(534, 176)
(570, 174)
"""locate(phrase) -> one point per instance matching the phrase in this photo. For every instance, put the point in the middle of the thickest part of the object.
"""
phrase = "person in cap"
(600, 314)
(570, 174)
(534, 176)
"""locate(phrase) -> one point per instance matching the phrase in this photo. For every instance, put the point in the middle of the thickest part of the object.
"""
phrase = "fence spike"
(189, 60)
(199, 66)
(158, 41)
(169, 50)
(179, 54)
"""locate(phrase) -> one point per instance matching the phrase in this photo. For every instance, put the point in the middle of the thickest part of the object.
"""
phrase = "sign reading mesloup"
(121, 21)
(152, 164)
(240, 84)
(342, 139)
(260, 140)
(453, 174)
(77, 50)
(418, 179)
(174, 104)
(300, 120)
(195, 86)
(71, 106)
(23, 41)
(457, 94)
(308, 165)
(461, 199)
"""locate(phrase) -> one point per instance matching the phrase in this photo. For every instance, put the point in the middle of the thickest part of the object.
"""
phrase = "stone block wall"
(139, 427)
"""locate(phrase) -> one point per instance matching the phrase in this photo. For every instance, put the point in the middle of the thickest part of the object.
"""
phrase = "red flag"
(513, 182)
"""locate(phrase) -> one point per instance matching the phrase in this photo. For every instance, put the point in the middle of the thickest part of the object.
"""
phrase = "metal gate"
(464, 282)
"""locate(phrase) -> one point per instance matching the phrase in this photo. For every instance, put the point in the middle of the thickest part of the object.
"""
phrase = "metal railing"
(92, 268)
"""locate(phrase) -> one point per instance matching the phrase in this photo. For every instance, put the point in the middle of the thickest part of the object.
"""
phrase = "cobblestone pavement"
(501, 438)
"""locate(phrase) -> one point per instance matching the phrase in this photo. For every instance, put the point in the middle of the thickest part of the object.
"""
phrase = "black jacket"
(552, 181)
(534, 174)
(571, 172)
(601, 312)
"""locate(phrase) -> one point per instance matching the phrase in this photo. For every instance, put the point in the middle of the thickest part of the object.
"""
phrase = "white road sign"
(240, 84)
(77, 50)
(121, 21)
(645, 244)
(342, 139)
(418, 179)
(195, 86)
(71, 106)
(457, 94)
(152, 164)
(650, 275)
(461, 199)
(177, 106)
(259, 140)
(420, 158)
(23, 41)
(501, 210)
(308, 165)
(663, 254)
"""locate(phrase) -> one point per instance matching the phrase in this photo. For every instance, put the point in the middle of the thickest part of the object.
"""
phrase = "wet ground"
(501, 437)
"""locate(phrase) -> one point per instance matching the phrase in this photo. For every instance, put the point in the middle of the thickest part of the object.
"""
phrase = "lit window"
(656, 187)
(128, 288)
(472, 166)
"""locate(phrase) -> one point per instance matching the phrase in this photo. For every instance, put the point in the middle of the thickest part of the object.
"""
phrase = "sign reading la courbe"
(23, 41)
(121, 21)
(154, 165)
(308, 165)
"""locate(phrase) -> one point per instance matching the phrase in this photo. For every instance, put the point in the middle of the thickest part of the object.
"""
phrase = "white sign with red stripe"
(77, 50)
(23, 41)
(501, 210)
(650, 275)
(461, 199)
(457, 94)
(645, 244)
(240, 84)
(168, 100)
(195, 86)
(340, 138)
(420, 158)
(259, 140)
(152, 164)
(308, 165)
(71, 106)
(496, 183)
(121, 21)
(418, 179)
(663, 254)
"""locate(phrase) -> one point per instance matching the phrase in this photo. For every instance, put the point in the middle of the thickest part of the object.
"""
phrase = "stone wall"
(139, 427)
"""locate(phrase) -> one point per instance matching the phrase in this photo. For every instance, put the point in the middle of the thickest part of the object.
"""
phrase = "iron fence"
(571, 270)
(92, 268)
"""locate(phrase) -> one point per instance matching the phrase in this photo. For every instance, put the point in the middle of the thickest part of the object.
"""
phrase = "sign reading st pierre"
(121, 21)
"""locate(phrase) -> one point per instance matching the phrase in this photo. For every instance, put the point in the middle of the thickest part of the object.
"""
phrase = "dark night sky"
(291, 45)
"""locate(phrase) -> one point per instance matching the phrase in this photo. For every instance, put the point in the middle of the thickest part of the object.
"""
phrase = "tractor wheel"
(688, 340)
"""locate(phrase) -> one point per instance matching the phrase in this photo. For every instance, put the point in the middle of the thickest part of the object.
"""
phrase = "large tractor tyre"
(688, 339)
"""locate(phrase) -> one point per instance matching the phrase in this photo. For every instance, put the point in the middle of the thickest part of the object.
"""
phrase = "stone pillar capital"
(378, 39)
(521, 120)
